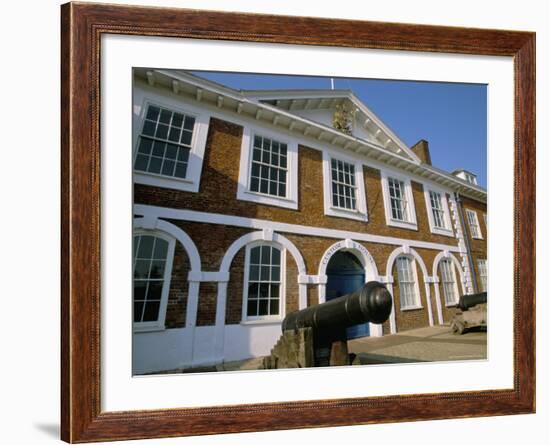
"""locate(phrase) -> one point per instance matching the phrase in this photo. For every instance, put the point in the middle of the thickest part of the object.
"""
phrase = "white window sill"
(264, 198)
(347, 213)
(146, 329)
(402, 224)
(262, 321)
(442, 231)
(156, 180)
(411, 308)
(451, 304)
(477, 237)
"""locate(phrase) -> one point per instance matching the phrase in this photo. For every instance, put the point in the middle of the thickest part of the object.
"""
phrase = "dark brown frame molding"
(81, 28)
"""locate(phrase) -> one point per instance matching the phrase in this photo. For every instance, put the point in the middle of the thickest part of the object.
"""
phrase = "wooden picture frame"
(82, 26)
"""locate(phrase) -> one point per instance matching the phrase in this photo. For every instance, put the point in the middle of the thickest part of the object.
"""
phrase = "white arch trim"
(264, 235)
(440, 256)
(447, 255)
(159, 225)
(174, 231)
(360, 251)
(407, 250)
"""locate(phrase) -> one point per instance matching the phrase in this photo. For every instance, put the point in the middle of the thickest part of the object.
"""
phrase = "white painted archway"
(440, 256)
(367, 261)
(347, 245)
(408, 251)
(158, 225)
(221, 302)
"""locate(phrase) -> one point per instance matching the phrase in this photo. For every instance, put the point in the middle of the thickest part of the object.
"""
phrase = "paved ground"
(431, 344)
(435, 343)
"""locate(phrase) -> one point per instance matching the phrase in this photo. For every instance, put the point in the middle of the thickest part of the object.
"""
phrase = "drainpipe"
(458, 200)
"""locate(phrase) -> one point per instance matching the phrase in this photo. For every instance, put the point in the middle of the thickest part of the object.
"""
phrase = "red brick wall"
(179, 286)
(234, 306)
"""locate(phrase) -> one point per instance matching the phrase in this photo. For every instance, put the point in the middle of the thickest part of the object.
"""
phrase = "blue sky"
(452, 117)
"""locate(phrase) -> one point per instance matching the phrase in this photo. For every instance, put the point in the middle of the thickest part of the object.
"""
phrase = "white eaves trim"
(301, 125)
(360, 213)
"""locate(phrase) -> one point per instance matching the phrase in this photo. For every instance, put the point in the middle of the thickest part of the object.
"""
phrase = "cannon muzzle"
(372, 303)
(467, 301)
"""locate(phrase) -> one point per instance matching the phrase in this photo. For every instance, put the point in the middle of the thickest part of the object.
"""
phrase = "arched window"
(448, 279)
(153, 255)
(263, 290)
(409, 294)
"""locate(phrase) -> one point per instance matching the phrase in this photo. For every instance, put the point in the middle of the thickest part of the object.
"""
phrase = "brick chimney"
(422, 150)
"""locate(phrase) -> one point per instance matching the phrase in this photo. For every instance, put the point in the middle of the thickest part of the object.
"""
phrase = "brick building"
(251, 204)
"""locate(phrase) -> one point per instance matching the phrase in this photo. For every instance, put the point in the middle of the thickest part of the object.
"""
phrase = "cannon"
(467, 301)
(472, 313)
(316, 336)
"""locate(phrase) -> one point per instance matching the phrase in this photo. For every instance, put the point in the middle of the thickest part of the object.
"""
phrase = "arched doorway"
(346, 274)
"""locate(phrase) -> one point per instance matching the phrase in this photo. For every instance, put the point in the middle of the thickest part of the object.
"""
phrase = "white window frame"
(243, 187)
(479, 235)
(482, 277)
(160, 323)
(411, 210)
(418, 303)
(447, 230)
(245, 319)
(360, 213)
(455, 282)
(191, 182)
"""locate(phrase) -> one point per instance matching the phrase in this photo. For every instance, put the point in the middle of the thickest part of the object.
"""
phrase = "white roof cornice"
(236, 101)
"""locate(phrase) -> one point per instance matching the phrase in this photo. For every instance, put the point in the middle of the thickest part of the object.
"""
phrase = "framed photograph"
(275, 222)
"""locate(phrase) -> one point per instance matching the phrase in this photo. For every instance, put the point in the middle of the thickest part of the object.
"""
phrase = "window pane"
(158, 149)
(145, 145)
(141, 162)
(262, 309)
(174, 134)
(177, 120)
(186, 137)
(155, 290)
(264, 276)
(154, 165)
(157, 269)
(181, 170)
(162, 131)
(183, 154)
(253, 290)
(149, 128)
(140, 288)
(254, 273)
(152, 113)
(138, 309)
(252, 308)
(141, 269)
(255, 255)
(145, 246)
(151, 312)
(189, 123)
(165, 116)
(266, 254)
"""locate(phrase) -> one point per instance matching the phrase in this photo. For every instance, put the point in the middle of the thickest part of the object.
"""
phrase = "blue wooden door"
(342, 282)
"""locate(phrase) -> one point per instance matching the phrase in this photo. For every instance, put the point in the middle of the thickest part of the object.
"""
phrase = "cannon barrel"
(372, 303)
(467, 301)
